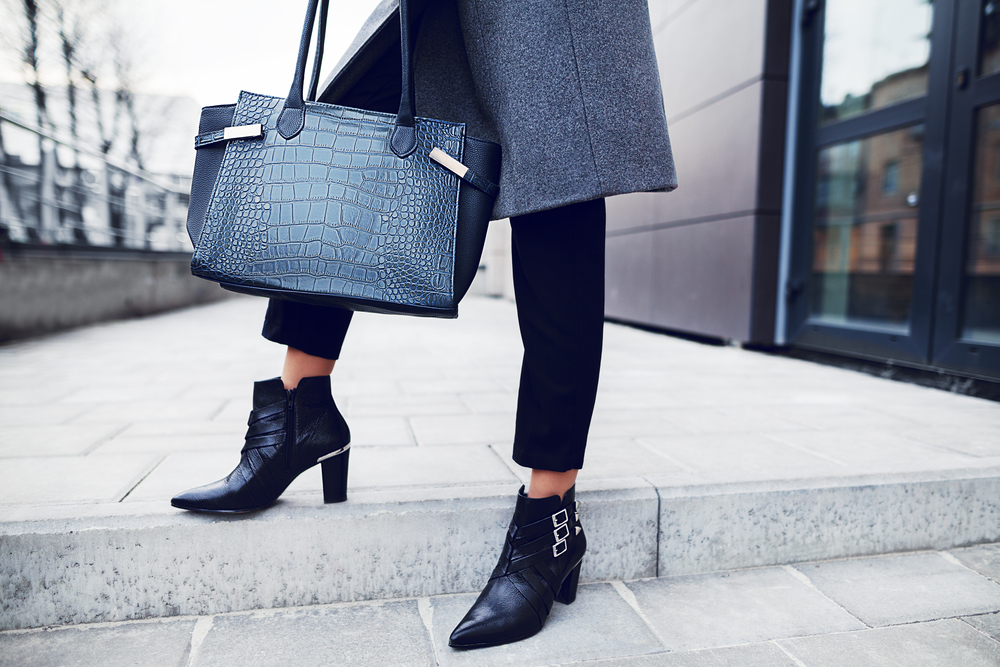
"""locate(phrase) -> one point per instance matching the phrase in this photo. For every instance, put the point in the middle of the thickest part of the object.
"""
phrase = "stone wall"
(45, 290)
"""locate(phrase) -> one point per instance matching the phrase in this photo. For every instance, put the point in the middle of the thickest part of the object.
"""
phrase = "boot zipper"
(289, 427)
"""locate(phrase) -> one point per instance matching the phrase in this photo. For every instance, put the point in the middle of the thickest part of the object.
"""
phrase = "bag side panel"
(207, 163)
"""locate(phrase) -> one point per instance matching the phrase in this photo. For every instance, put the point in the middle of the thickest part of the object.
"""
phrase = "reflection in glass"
(875, 53)
(865, 230)
(981, 313)
(989, 38)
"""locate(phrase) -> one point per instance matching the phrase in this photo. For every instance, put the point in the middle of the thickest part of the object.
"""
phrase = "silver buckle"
(561, 536)
(556, 552)
(556, 521)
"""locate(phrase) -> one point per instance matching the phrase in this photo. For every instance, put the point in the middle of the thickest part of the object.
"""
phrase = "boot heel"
(567, 592)
(335, 477)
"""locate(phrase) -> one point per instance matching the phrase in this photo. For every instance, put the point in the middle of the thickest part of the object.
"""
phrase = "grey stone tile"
(609, 458)
(463, 429)
(491, 402)
(188, 427)
(737, 419)
(870, 448)
(972, 412)
(381, 467)
(449, 386)
(742, 452)
(404, 406)
(152, 411)
(984, 559)
(968, 439)
(168, 444)
(49, 440)
(599, 624)
(747, 606)
(364, 387)
(948, 643)
(380, 431)
(903, 589)
(366, 634)
(152, 644)
(839, 417)
(749, 655)
(71, 479)
(988, 624)
(33, 415)
(628, 423)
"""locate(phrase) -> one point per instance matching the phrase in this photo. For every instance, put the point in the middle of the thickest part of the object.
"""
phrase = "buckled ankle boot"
(539, 564)
(289, 432)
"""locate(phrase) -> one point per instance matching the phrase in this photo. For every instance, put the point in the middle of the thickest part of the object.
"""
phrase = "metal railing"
(58, 192)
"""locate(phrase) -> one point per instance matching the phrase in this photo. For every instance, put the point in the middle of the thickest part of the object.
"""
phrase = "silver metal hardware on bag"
(243, 131)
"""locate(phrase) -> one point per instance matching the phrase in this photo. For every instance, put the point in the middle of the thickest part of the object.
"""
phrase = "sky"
(204, 50)
(211, 49)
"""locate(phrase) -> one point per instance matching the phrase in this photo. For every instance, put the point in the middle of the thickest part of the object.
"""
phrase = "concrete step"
(124, 561)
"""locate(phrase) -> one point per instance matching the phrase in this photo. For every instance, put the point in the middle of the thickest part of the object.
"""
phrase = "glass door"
(872, 137)
(967, 318)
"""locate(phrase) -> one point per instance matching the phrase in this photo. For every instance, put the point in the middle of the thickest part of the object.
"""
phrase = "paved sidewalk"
(933, 609)
(720, 470)
(136, 411)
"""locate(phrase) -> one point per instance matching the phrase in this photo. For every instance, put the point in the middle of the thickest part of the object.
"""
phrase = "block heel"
(567, 592)
(335, 477)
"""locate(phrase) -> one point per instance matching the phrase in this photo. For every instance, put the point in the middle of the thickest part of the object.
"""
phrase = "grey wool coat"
(568, 88)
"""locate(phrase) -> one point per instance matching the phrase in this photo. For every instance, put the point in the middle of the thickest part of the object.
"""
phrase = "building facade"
(839, 168)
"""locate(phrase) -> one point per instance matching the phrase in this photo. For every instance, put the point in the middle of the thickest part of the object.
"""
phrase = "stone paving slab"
(385, 633)
(742, 607)
(904, 589)
(163, 643)
(943, 643)
(746, 618)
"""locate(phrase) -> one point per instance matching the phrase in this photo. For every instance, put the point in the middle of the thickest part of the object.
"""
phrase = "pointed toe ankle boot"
(539, 564)
(289, 432)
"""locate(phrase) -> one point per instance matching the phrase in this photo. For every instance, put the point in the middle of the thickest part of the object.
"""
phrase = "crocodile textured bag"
(336, 206)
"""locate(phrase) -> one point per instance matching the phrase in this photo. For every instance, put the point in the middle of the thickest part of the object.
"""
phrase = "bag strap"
(318, 58)
(292, 119)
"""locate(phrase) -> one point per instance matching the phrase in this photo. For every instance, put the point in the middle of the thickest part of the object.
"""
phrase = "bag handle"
(292, 119)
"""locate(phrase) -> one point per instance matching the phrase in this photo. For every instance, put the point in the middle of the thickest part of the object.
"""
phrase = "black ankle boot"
(290, 431)
(540, 562)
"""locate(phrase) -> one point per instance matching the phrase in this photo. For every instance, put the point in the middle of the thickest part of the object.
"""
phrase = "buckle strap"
(271, 410)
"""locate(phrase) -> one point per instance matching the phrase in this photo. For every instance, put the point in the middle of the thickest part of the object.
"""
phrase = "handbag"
(331, 205)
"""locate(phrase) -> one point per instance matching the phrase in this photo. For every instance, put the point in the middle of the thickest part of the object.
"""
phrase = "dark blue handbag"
(337, 206)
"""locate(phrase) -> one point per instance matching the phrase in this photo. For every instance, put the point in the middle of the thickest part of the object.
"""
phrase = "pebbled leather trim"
(475, 208)
(207, 163)
(291, 122)
(403, 141)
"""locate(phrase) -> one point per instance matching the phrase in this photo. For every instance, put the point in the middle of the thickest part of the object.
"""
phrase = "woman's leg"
(558, 261)
(315, 333)
(294, 423)
(300, 365)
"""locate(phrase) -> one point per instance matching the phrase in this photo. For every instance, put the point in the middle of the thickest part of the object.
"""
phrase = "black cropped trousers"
(558, 261)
